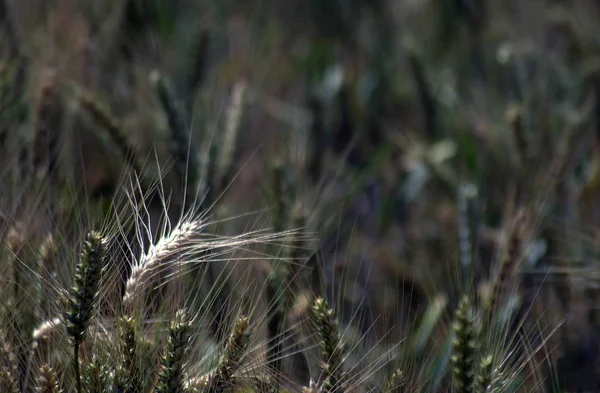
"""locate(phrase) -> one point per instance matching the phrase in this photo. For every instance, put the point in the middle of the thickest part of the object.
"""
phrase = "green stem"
(76, 366)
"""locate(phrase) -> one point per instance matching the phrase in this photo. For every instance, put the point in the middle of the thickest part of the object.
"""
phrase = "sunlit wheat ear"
(154, 260)
(464, 348)
(47, 381)
(83, 294)
(44, 336)
(197, 384)
(231, 358)
(8, 367)
(172, 369)
(330, 342)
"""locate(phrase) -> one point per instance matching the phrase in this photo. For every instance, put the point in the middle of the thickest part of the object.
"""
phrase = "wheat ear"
(182, 150)
(170, 377)
(128, 372)
(110, 124)
(96, 376)
(154, 260)
(225, 158)
(464, 348)
(485, 376)
(47, 381)
(330, 342)
(197, 384)
(396, 382)
(8, 367)
(509, 263)
(312, 387)
(48, 119)
(229, 362)
(83, 294)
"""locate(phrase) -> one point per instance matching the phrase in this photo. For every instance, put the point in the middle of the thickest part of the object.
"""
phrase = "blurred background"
(419, 142)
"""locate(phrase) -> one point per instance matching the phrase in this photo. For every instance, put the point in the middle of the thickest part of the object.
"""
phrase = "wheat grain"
(47, 382)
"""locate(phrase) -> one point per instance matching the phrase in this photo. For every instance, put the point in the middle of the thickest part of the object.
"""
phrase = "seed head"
(83, 293)
(332, 347)
(464, 348)
(170, 378)
(47, 382)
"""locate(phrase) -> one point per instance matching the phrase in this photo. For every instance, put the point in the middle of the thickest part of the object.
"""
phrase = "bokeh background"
(417, 141)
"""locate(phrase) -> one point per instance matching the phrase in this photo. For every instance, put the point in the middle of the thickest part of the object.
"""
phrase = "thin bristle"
(46, 267)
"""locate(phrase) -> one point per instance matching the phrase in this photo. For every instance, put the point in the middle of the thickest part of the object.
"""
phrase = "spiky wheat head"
(464, 348)
(8, 366)
(172, 369)
(312, 387)
(197, 384)
(96, 375)
(152, 261)
(128, 369)
(485, 375)
(230, 359)
(330, 342)
(47, 381)
(83, 293)
(47, 329)
(396, 383)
